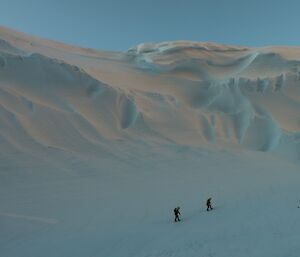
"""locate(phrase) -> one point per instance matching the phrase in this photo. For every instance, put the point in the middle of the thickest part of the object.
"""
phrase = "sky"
(120, 24)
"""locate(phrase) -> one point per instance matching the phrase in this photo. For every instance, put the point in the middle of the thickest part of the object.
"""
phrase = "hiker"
(177, 213)
(208, 204)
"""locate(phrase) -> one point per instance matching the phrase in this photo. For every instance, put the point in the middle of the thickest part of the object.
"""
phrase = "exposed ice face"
(195, 57)
(224, 81)
(2, 62)
(176, 46)
(263, 84)
(127, 111)
(279, 82)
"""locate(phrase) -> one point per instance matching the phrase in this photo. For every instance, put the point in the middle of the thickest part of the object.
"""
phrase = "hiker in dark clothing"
(208, 204)
(177, 213)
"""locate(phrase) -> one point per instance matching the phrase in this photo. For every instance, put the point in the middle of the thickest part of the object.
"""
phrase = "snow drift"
(97, 147)
(188, 93)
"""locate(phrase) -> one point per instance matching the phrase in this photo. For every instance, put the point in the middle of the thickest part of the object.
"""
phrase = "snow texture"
(97, 148)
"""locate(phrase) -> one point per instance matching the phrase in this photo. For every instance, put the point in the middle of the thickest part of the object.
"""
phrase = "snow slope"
(97, 148)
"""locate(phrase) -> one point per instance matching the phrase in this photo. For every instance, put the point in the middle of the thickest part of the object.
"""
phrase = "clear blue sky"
(120, 24)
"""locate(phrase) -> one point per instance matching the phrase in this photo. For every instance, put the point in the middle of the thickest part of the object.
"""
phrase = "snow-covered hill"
(97, 148)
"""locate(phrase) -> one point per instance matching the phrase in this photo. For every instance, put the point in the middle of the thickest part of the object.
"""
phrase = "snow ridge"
(222, 95)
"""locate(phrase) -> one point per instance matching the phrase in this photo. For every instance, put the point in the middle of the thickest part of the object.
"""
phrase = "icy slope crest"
(197, 94)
